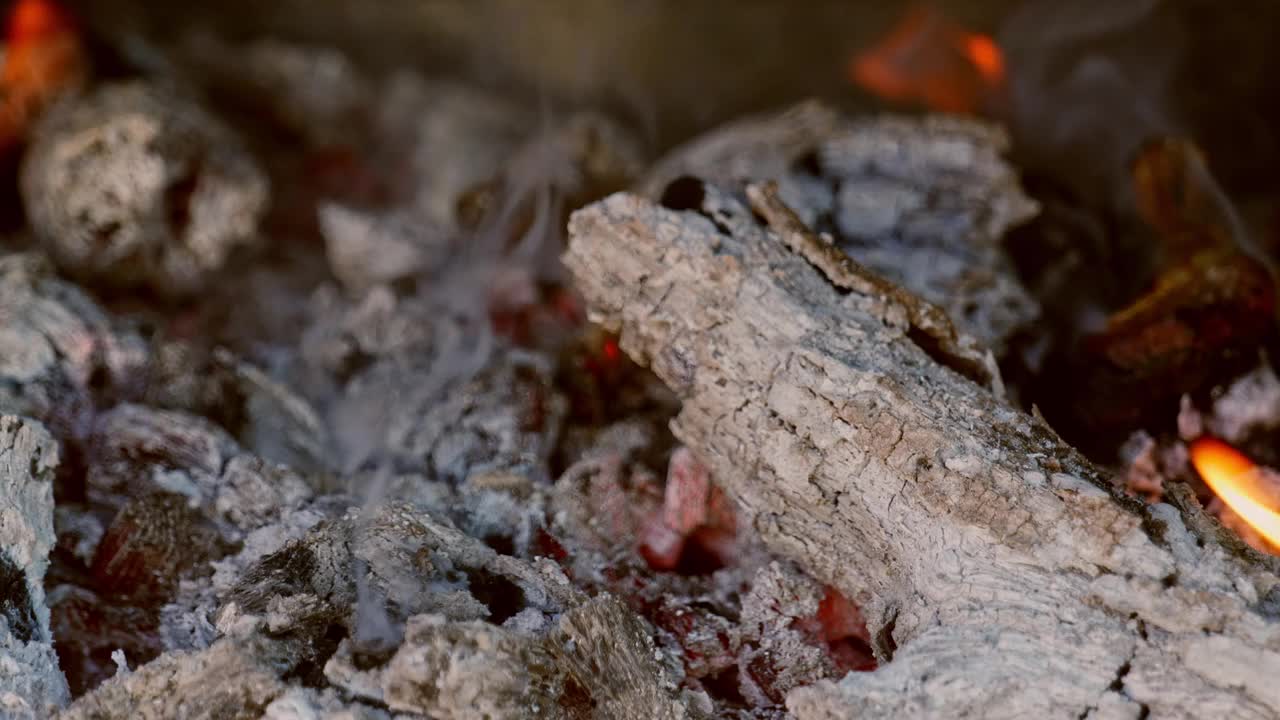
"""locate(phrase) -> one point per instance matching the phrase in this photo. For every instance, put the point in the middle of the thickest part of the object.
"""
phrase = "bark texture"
(1000, 573)
(31, 686)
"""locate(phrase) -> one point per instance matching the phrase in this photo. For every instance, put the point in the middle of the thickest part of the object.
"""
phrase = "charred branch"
(1011, 577)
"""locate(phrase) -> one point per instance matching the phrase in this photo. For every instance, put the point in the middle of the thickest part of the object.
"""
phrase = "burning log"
(1001, 574)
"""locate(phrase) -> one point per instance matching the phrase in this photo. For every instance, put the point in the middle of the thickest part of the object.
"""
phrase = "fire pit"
(345, 376)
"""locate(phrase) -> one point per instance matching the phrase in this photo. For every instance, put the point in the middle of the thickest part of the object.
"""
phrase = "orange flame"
(35, 19)
(43, 57)
(929, 60)
(1248, 491)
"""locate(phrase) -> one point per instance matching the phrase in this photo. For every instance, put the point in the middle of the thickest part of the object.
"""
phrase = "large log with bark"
(1002, 575)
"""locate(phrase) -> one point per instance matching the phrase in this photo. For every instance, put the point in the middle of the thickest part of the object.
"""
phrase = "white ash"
(133, 185)
(279, 424)
(1250, 404)
(1190, 420)
(79, 530)
(779, 596)
(361, 683)
(252, 492)
(179, 685)
(31, 685)
(300, 703)
(367, 249)
(122, 663)
(558, 650)
(1141, 475)
(428, 390)
(597, 660)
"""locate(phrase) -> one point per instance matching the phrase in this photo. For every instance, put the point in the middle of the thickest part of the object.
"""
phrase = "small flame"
(1249, 491)
(930, 60)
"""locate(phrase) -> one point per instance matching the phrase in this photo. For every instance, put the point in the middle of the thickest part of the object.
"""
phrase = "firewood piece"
(1000, 574)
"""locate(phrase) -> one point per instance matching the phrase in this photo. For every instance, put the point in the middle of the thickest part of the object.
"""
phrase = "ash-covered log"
(1001, 574)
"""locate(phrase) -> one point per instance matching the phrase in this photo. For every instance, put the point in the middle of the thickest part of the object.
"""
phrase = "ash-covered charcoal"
(613, 668)
(264, 414)
(187, 622)
(433, 391)
(745, 629)
(436, 621)
(230, 679)
(135, 186)
(135, 450)
(178, 377)
(316, 92)
(31, 685)
(603, 501)
(1249, 406)
(269, 418)
(754, 149)
(394, 561)
(457, 670)
(506, 418)
(253, 492)
(301, 703)
(151, 544)
(1201, 323)
(777, 654)
(598, 661)
(89, 629)
(60, 354)
(926, 203)
(922, 202)
(367, 248)
(506, 509)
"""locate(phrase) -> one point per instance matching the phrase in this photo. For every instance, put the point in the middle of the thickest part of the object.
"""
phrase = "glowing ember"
(43, 57)
(1251, 492)
(929, 60)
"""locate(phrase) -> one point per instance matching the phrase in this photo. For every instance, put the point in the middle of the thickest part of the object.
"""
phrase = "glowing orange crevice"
(1241, 485)
(43, 57)
(929, 60)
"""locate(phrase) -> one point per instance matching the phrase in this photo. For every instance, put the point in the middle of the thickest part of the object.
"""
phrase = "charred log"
(1001, 573)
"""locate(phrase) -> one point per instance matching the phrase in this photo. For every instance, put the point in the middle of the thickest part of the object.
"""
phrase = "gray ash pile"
(303, 419)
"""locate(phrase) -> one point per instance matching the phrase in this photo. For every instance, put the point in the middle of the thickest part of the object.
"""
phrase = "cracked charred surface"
(1010, 578)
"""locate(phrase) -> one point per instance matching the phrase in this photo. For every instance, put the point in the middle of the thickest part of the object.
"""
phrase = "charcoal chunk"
(15, 600)
(134, 186)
